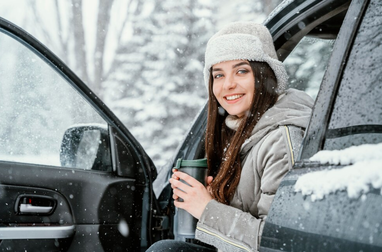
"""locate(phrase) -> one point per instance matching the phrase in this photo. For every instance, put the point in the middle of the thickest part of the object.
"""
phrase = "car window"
(37, 107)
(307, 63)
(356, 117)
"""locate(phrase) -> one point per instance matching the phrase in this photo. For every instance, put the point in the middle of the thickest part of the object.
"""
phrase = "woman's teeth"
(233, 97)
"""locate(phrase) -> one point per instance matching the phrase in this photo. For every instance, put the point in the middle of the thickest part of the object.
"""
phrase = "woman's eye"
(242, 71)
(217, 76)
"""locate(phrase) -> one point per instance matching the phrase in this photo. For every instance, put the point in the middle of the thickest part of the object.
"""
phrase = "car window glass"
(356, 118)
(37, 107)
(307, 63)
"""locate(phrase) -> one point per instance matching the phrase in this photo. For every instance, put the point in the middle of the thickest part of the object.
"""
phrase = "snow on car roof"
(363, 170)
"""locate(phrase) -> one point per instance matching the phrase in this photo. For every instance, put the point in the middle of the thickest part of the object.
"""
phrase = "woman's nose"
(229, 83)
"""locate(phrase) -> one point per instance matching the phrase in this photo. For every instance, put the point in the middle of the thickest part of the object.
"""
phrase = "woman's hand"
(195, 196)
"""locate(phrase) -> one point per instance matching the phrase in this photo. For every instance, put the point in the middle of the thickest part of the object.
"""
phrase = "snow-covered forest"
(143, 58)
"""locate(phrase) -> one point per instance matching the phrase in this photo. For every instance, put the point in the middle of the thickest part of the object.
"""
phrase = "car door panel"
(81, 189)
(12, 214)
(84, 201)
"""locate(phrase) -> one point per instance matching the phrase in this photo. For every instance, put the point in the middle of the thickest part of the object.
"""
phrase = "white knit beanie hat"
(244, 41)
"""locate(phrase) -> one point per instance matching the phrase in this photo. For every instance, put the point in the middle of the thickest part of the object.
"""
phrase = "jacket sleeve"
(231, 229)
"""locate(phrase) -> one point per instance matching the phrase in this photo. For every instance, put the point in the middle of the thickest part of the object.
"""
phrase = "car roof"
(293, 20)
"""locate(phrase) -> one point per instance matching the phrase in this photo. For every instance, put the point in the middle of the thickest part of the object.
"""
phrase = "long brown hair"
(223, 144)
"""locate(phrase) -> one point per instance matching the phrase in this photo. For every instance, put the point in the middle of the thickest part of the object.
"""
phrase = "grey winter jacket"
(266, 157)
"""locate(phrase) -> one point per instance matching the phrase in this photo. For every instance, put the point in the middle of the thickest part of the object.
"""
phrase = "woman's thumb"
(209, 180)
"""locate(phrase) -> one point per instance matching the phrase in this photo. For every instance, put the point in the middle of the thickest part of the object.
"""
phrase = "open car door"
(72, 177)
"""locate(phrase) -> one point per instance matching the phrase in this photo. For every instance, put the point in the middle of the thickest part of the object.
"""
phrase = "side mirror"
(86, 147)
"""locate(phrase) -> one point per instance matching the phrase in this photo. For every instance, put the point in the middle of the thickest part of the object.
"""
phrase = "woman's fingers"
(173, 175)
(178, 184)
(187, 181)
(194, 201)
(187, 178)
(179, 193)
(194, 194)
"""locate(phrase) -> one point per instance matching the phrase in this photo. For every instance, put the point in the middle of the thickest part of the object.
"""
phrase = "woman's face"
(233, 86)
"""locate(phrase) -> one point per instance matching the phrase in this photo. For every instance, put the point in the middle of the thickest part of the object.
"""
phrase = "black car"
(347, 112)
(91, 188)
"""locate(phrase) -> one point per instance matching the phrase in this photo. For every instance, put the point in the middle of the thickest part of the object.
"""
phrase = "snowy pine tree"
(161, 86)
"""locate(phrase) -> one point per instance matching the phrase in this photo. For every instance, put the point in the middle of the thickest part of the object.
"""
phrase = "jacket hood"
(293, 107)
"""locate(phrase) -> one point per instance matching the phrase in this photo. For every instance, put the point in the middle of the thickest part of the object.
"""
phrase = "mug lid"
(193, 163)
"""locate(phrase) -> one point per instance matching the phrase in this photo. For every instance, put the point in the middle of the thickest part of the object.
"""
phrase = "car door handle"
(35, 204)
(29, 208)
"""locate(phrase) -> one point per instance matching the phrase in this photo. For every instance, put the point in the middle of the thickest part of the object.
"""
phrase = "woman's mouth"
(233, 97)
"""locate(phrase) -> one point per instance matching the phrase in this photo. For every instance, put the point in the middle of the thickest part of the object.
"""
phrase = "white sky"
(20, 13)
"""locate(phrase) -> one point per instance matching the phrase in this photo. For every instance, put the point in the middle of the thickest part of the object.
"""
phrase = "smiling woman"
(233, 86)
(249, 147)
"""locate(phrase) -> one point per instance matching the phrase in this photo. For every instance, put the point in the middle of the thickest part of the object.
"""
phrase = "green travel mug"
(185, 223)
